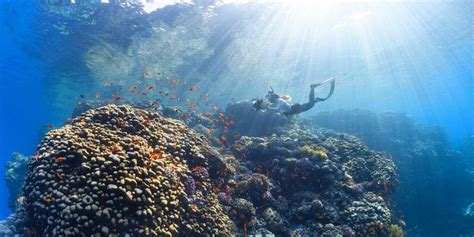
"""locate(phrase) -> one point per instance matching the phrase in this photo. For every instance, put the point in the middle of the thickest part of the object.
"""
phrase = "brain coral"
(123, 171)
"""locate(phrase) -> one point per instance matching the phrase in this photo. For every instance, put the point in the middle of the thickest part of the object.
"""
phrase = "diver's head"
(271, 96)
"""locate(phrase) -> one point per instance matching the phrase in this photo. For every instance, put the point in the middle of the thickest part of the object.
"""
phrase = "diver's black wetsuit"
(298, 108)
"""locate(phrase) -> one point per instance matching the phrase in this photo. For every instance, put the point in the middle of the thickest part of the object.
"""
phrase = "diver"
(281, 104)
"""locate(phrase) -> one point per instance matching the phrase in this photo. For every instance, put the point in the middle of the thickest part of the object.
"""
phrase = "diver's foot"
(315, 85)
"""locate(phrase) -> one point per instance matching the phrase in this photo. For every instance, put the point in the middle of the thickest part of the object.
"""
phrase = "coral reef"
(119, 170)
(395, 231)
(313, 182)
(15, 177)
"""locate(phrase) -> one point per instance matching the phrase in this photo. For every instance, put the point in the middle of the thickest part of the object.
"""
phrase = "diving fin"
(332, 78)
(333, 86)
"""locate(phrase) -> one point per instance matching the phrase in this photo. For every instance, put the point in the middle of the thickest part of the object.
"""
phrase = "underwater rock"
(119, 170)
(274, 221)
(15, 177)
(256, 123)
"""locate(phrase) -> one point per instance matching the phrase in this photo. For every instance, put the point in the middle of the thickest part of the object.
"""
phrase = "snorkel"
(271, 95)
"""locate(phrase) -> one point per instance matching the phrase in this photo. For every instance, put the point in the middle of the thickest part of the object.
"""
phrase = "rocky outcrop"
(256, 123)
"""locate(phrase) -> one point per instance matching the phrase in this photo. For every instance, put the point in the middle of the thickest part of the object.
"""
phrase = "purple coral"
(201, 172)
(348, 231)
(190, 186)
(224, 198)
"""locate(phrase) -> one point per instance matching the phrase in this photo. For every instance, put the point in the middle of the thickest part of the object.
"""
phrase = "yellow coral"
(395, 231)
(314, 151)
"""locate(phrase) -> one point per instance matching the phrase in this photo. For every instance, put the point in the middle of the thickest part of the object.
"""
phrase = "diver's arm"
(273, 106)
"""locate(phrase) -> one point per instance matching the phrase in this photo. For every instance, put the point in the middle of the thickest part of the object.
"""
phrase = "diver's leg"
(298, 108)
(311, 95)
(311, 102)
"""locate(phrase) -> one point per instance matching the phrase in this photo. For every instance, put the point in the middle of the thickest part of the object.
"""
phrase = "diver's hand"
(258, 105)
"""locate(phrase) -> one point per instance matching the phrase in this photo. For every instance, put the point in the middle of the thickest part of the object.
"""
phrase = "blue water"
(414, 58)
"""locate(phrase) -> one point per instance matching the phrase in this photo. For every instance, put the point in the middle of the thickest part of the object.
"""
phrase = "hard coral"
(314, 151)
(101, 175)
(321, 183)
(395, 231)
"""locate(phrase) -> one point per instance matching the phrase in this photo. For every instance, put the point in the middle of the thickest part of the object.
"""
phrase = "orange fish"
(60, 159)
(228, 190)
(50, 127)
(117, 97)
(150, 88)
(36, 156)
(197, 168)
(115, 149)
(97, 95)
(237, 136)
(223, 139)
(48, 200)
(156, 155)
(221, 115)
(58, 175)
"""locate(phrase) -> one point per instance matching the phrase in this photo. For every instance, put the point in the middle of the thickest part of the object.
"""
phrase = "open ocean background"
(409, 57)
